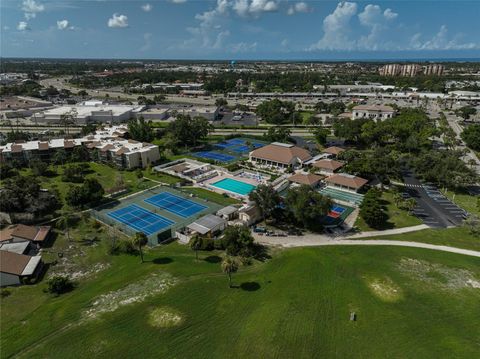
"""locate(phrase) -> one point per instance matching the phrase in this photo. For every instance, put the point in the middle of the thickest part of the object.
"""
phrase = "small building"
(206, 226)
(229, 213)
(280, 156)
(15, 267)
(249, 214)
(308, 179)
(328, 166)
(22, 233)
(374, 112)
(346, 182)
(333, 151)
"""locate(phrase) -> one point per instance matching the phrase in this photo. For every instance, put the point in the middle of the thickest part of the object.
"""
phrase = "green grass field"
(465, 201)
(211, 196)
(410, 303)
(397, 218)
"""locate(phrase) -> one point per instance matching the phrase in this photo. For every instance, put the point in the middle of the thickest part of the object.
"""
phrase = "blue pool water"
(234, 186)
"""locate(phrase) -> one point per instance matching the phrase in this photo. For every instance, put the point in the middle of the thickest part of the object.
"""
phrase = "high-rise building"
(434, 70)
(410, 70)
(390, 70)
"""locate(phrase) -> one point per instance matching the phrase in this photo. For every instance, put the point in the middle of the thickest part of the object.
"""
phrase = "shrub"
(122, 246)
(59, 284)
(5, 293)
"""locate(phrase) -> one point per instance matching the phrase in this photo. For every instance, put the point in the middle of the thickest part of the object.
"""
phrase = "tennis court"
(140, 219)
(336, 194)
(336, 215)
(216, 156)
(175, 204)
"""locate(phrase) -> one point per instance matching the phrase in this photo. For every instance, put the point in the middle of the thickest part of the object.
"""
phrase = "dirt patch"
(439, 275)
(384, 289)
(132, 293)
(165, 317)
(75, 273)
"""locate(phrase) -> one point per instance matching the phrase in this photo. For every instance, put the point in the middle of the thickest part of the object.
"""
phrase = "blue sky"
(240, 29)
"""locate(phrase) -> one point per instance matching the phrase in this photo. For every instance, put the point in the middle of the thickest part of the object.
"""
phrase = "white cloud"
(178, 1)
(31, 8)
(147, 42)
(389, 14)
(147, 7)
(22, 26)
(255, 8)
(64, 25)
(336, 28)
(298, 7)
(243, 47)
(118, 21)
(441, 41)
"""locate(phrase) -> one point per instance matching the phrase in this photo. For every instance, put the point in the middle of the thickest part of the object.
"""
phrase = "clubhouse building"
(280, 156)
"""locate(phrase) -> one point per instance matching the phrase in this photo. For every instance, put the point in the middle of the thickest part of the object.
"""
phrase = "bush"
(122, 246)
(59, 284)
(5, 293)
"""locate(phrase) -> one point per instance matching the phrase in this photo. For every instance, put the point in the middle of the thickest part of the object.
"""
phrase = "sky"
(240, 29)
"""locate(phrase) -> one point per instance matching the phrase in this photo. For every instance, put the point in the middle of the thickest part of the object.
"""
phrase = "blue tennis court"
(338, 209)
(241, 149)
(140, 219)
(217, 156)
(177, 205)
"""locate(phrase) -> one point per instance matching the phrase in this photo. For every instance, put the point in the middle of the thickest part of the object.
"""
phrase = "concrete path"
(312, 240)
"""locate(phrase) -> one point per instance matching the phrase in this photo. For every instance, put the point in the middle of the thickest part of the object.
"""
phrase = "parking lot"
(433, 208)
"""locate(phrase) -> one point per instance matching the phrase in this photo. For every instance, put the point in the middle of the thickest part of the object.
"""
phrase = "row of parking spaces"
(456, 213)
(446, 212)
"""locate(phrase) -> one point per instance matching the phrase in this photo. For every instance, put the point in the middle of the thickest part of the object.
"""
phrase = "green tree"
(140, 240)
(238, 240)
(275, 111)
(266, 198)
(38, 167)
(221, 102)
(196, 244)
(59, 284)
(321, 134)
(372, 211)
(307, 206)
(68, 118)
(471, 136)
(140, 130)
(465, 112)
(229, 265)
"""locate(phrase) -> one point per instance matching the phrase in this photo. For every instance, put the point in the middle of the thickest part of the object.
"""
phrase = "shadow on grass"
(213, 259)
(162, 260)
(250, 286)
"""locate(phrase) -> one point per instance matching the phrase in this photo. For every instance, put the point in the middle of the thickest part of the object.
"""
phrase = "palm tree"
(397, 198)
(410, 204)
(196, 244)
(64, 223)
(229, 266)
(140, 240)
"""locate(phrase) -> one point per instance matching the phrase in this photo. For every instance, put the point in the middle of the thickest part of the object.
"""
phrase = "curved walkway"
(312, 240)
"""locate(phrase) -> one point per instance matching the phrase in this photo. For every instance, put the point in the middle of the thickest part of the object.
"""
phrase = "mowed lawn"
(410, 303)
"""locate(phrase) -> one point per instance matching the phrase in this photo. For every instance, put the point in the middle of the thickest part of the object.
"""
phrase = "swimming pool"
(234, 186)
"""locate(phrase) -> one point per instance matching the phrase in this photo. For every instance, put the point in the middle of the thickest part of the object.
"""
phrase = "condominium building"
(410, 70)
(434, 70)
(390, 70)
(105, 145)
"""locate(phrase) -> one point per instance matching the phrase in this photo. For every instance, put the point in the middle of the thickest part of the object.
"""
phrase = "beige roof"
(122, 150)
(13, 263)
(17, 148)
(68, 144)
(31, 233)
(328, 164)
(281, 153)
(347, 180)
(43, 146)
(374, 108)
(308, 179)
(334, 150)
